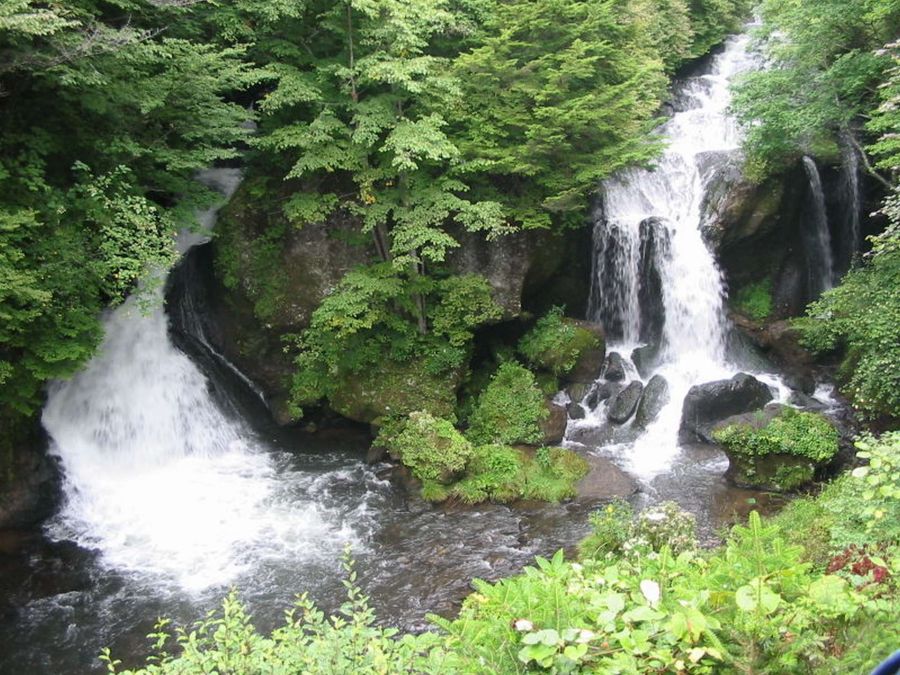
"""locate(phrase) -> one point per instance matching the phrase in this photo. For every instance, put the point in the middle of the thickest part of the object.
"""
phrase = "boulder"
(602, 392)
(578, 390)
(604, 481)
(553, 427)
(590, 361)
(645, 359)
(613, 368)
(711, 402)
(623, 405)
(576, 411)
(653, 400)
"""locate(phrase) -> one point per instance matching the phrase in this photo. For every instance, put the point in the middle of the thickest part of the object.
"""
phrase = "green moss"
(431, 447)
(555, 343)
(510, 409)
(494, 474)
(551, 475)
(755, 300)
(803, 434)
(394, 389)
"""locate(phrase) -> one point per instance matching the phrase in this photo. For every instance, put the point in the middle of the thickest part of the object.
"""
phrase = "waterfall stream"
(144, 446)
(678, 273)
(818, 236)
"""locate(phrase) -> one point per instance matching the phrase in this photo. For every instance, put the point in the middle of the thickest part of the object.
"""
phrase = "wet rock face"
(590, 362)
(653, 400)
(263, 287)
(654, 249)
(553, 427)
(708, 403)
(604, 481)
(645, 359)
(602, 392)
(623, 405)
(29, 478)
(614, 368)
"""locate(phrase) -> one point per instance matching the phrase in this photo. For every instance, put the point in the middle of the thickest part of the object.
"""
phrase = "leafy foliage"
(308, 642)
(431, 448)
(792, 432)
(94, 186)
(861, 318)
(786, 595)
(368, 324)
(826, 72)
(555, 344)
(510, 409)
(755, 300)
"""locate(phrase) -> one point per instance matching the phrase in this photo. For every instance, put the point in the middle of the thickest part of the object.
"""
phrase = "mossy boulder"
(503, 474)
(778, 449)
(395, 389)
(569, 349)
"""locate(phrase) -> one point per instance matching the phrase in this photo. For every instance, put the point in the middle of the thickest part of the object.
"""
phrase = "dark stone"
(604, 481)
(645, 359)
(29, 478)
(553, 427)
(590, 361)
(578, 390)
(654, 248)
(623, 405)
(708, 403)
(653, 400)
(614, 368)
(602, 392)
(576, 411)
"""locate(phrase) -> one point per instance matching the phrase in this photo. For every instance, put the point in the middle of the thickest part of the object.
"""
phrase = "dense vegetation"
(813, 590)
(835, 81)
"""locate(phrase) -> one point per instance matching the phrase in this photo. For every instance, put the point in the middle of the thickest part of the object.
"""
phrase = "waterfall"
(675, 281)
(156, 475)
(820, 259)
(851, 236)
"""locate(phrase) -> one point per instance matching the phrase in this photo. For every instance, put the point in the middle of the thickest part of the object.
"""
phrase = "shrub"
(755, 300)
(861, 319)
(509, 410)
(555, 343)
(611, 527)
(793, 432)
(431, 447)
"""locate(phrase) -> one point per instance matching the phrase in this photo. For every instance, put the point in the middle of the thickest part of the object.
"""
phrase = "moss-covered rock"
(502, 474)
(564, 347)
(395, 389)
(777, 449)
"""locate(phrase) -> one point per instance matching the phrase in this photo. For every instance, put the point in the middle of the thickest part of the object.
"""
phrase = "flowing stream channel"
(171, 497)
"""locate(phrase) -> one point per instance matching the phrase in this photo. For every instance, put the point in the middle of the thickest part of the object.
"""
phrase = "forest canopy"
(410, 116)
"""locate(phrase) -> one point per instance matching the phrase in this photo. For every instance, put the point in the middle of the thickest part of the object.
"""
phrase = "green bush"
(861, 319)
(509, 410)
(431, 447)
(555, 343)
(793, 432)
(611, 527)
(347, 643)
(755, 300)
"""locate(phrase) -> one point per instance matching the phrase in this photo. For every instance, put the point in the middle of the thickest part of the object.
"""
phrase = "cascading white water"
(692, 292)
(821, 258)
(156, 476)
